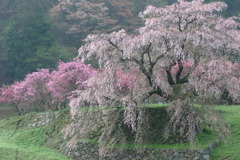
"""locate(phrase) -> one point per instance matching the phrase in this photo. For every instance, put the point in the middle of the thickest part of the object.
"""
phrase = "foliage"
(7, 97)
(24, 37)
(185, 32)
(28, 43)
(82, 17)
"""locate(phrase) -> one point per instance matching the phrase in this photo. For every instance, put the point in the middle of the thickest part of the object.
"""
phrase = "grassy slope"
(230, 149)
(24, 144)
(27, 144)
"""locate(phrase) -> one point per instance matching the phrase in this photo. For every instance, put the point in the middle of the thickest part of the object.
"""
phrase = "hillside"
(20, 141)
(27, 143)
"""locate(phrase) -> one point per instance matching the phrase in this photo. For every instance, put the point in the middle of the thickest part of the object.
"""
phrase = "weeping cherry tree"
(183, 54)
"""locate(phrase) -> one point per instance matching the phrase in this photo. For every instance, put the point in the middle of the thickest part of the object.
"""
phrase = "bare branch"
(169, 76)
(190, 22)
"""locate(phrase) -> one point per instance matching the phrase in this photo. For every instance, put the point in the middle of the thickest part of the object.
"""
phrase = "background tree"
(29, 43)
(31, 94)
(24, 37)
(15, 95)
(173, 35)
(44, 90)
(81, 17)
(66, 79)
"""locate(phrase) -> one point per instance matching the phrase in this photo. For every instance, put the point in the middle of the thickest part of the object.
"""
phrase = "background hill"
(37, 34)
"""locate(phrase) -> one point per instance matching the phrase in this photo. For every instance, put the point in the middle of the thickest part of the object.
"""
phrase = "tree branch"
(114, 45)
(179, 24)
(169, 77)
(186, 26)
(147, 72)
(180, 69)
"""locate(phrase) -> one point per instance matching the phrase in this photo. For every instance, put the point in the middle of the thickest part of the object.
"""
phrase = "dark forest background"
(37, 34)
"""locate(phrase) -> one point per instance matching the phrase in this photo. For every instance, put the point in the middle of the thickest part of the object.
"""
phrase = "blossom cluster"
(47, 89)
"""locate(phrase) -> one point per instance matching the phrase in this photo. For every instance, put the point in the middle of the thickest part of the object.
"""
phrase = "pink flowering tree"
(37, 94)
(31, 93)
(181, 53)
(67, 78)
(7, 97)
(15, 95)
(45, 90)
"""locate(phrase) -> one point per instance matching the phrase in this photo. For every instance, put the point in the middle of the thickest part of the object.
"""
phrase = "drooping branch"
(114, 45)
(180, 20)
(148, 53)
(144, 70)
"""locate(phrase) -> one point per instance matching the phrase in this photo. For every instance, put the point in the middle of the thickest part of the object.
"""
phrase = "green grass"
(94, 141)
(24, 144)
(231, 149)
(97, 108)
(28, 144)
(156, 105)
(204, 140)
